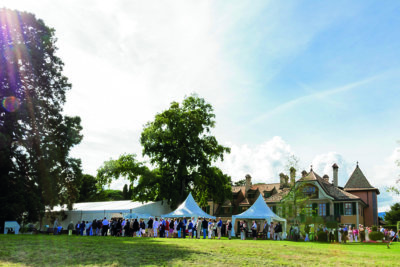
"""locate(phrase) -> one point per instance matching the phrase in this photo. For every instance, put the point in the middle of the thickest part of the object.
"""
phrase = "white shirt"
(155, 224)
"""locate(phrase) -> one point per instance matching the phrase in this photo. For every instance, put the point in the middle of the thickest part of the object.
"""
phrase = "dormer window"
(310, 191)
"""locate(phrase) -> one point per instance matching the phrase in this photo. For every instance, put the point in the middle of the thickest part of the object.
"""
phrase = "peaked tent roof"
(188, 208)
(259, 210)
(358, 180)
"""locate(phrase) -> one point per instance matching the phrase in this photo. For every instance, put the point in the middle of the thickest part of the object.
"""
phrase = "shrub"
(322, 236)
(375, 236)
(374, 228)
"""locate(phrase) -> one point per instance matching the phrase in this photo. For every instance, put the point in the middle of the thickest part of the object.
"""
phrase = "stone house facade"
(355, 203)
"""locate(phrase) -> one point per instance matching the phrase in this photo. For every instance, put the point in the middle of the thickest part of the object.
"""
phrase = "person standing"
(88, 228)
(82, 227)
(271, 231)
(94, 227)
(190, 229)
(55, 226)
(183, 228)
(219, 226)
(70, 228)
(198, 228)
(77, 231)
(278, 231)
(104, 229)
(254, 230)
(142, 226)
(150, 227)
(155, 227)
(166, 228)
(204, 226)
(135, 227)
(265, 229)
(229, 227)
(242, 228)
(210, 229)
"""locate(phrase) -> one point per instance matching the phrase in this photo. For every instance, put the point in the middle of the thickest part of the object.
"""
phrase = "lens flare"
(10, 103)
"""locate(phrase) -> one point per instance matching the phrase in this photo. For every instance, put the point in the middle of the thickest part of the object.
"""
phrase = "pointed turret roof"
(358, 180)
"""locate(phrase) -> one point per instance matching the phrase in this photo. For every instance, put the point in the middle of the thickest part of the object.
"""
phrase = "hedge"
(322, 236)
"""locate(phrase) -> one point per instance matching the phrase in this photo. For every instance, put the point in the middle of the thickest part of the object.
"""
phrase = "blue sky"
(317, 79)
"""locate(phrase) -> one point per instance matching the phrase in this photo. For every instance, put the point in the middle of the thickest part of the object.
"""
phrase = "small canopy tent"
(258, 211)
(188, 208)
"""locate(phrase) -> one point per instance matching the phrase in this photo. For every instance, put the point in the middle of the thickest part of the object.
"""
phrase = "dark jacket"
(94, 225)
(135, 226)
(204, 224)
(150, 224)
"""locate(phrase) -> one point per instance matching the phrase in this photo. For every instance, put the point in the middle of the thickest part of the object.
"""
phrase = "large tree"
(393, 216)
(35, 137)
(180, 146)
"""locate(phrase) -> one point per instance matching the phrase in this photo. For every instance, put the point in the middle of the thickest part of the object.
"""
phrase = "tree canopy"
(393, 216)
(35, 137)
(182, 150)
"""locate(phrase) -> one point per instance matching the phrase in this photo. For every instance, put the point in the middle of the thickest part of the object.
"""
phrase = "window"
(267, 194)
(310, 191)
(245, 208)
(322, 209)
(348, 209)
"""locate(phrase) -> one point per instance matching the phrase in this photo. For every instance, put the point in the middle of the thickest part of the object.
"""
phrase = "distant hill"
(382, 214)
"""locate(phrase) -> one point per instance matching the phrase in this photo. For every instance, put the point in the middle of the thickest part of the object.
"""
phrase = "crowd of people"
(157, 227)
(212, 229)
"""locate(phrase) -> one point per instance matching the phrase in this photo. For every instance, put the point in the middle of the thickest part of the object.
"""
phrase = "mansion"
(355, 203)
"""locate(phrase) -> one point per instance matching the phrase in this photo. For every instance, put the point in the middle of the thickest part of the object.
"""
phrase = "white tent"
(89, 211)
(258, 211)
(188, 208)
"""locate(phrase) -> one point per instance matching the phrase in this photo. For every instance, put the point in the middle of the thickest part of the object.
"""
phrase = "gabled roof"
(311, 176)
(330, 189)
(358, 180)
(245, 202)
(227, 203)
(278, 196)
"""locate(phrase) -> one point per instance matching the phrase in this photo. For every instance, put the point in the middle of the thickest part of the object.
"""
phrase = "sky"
(319, 80)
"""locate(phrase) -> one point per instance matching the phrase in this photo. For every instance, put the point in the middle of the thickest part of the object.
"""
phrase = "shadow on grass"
(40, 250)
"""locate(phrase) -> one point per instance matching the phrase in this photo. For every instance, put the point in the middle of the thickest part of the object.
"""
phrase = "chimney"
(303, 174)
(335, 174)
(292, 175)
(281, 180)
(248, 183)
(326, 178)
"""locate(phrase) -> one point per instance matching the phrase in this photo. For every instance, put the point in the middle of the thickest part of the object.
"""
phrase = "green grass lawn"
(42, 250)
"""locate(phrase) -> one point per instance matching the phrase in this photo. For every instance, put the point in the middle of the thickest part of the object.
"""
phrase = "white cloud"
(263, 162)
(384, 175)
(322, 164)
